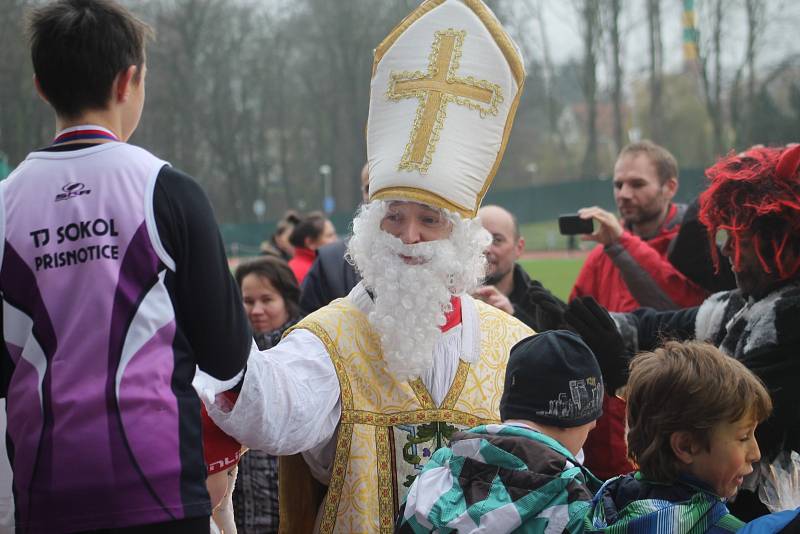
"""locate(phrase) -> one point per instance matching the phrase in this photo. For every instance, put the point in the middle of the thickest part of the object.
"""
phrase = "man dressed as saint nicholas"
(364, 390)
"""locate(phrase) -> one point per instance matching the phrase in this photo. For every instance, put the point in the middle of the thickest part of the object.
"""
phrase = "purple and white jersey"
(94, 406)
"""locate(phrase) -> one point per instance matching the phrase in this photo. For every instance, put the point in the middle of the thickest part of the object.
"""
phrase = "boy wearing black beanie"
(523, 473)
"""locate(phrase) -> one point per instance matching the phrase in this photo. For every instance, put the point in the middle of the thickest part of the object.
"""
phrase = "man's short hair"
(686, 387)
(78, 48)
(665, 163)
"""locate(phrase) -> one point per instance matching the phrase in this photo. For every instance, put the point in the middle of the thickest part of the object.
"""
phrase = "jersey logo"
(72, 190)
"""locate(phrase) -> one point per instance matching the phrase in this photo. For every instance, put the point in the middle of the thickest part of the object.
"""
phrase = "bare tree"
(25, 120)
(711, 71)
(252, 97)
(550, 96)
(526, 20)
(590, 31)
(614, 9)
(656, 69)
(742, 113)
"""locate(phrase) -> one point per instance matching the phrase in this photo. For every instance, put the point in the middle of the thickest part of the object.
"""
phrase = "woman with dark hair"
(270, 294)
(312, 232)
(278, 243)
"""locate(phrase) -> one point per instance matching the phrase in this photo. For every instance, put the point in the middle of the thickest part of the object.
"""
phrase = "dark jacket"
(690, 253)
(762, 334)
(330, 277)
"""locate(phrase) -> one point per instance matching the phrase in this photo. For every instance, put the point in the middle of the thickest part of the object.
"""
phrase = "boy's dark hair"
(686, 387)
(78, 47)
(312, 225)
(279, 275)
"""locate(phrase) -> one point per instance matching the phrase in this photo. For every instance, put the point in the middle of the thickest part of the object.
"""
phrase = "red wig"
(756, 195)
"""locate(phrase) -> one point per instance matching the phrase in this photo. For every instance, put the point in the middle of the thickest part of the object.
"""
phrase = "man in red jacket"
(629, 269)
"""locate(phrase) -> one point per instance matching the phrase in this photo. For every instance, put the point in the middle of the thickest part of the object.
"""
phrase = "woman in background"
(278, 243)
(312, 232)
(270, 294)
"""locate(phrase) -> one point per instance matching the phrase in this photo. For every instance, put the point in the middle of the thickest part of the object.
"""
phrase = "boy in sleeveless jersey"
(115, 287)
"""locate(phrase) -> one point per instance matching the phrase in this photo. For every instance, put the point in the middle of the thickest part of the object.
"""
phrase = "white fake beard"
(411, 300)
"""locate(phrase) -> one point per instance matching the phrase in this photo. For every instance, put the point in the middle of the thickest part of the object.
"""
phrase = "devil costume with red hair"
(756, 195)
(755, 198)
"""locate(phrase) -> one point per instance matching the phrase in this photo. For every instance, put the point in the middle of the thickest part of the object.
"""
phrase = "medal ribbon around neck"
(84, 132)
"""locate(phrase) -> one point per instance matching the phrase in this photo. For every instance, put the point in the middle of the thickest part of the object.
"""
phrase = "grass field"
(557, 275)
(543, 236)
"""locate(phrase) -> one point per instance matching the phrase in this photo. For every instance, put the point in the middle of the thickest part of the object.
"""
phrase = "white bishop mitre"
(445, 87)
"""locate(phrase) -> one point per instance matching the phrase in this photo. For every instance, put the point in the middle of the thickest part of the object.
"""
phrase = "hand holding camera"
(609, 228)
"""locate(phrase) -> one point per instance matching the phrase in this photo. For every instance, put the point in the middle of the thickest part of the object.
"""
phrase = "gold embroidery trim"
(422, 393)
(457, 387)
(338, 364)
(363, 417)
(381, 422)
(434, 90)
(385, 489)
(507, 46)
(506, 133)
(344, 442)
(491, 23)
(333, 495)
(424, 197)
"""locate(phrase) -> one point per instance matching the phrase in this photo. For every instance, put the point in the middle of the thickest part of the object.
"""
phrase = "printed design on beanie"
(584, 399)
(552, 378)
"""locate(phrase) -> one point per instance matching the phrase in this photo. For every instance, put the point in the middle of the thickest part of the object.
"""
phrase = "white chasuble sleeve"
(289, 401)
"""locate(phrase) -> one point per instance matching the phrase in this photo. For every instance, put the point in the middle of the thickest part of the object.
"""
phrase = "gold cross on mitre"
(434, 90)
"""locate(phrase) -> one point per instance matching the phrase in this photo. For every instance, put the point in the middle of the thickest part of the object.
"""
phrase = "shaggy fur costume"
(762, 334)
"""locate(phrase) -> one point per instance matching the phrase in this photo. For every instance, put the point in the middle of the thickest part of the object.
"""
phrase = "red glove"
(221, 451)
